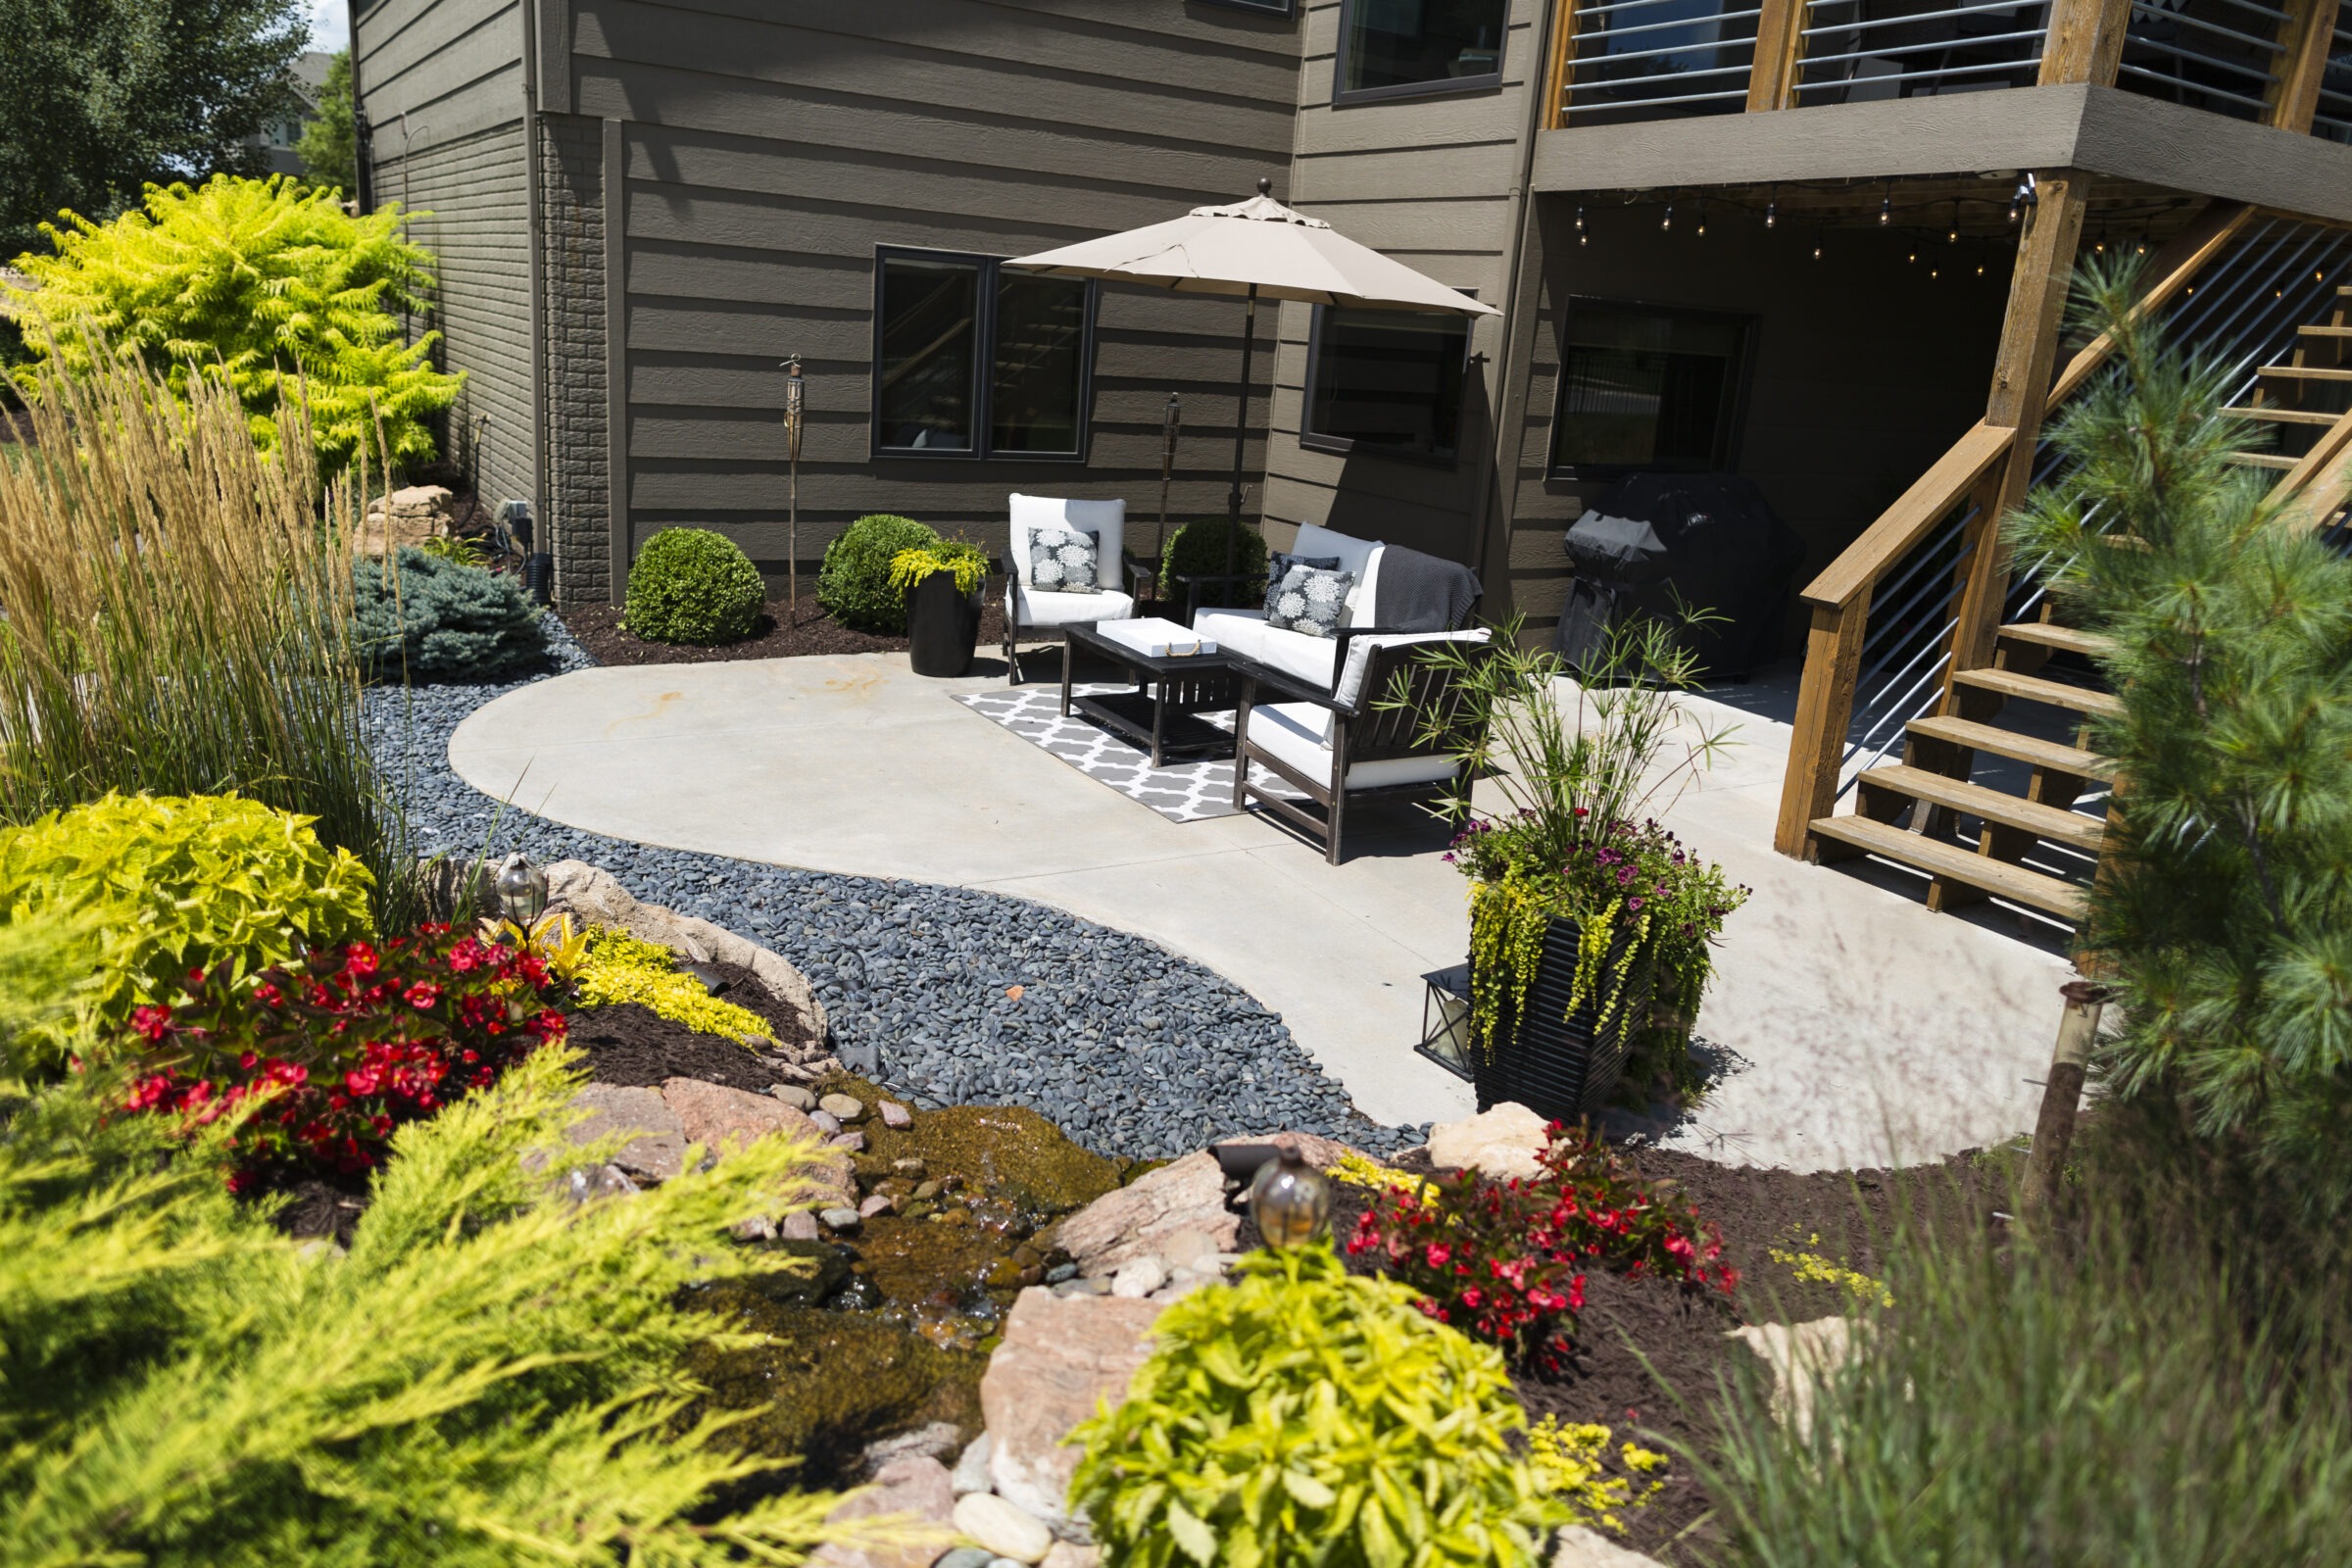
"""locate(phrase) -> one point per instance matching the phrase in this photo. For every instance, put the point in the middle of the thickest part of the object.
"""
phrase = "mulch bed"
(596, 628)
(1652, 1357)
(634, 1045)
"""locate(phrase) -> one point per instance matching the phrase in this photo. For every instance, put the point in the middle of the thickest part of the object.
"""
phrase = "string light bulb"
(1701, 231)
(1887, 205)
(1666, 224)
(1817, 247)
(1581, 239)
(1953, 236)
(1771, 209)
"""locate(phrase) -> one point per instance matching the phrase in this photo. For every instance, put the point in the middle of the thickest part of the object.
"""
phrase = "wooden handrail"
(2317, 485)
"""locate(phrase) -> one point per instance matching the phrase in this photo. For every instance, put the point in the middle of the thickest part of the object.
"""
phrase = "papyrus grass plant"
(177, 614)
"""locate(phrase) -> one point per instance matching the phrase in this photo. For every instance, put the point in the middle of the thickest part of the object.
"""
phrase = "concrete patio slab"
(1860, 1028)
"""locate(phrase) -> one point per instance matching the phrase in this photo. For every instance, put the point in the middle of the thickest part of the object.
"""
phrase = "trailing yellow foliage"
(1813, 1268)
(622, 969)
(1362, 1170)
(1573, 1463)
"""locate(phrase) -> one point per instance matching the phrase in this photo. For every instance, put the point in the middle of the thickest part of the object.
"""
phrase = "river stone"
(847, 1107)
(1502, 1143)
(1579, 1547)
(596, 896)
(971, 1469)
(937, 1441)
(657, 1153)
(966, 1557)
(1060, 1358)
(1002, 1528)
(827, 1122)
(799, 1226)
(1066, 1555)
(793, 1094)
(1130, 1223)
(1196, 1250)
(911, 1485)
(840, 1219)
(1138, 1278)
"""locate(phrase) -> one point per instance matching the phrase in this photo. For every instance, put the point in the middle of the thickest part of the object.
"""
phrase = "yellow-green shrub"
(174, 883)
(621, 968)
(1304, 1416)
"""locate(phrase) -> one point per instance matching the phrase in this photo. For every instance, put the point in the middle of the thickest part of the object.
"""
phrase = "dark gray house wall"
(750, 156)
(1429, 181)
(442, 89)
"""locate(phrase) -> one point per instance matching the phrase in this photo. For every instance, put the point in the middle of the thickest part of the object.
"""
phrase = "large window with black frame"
(1394, 48)
(1646, 387)
(975, 360)
(1385, 382)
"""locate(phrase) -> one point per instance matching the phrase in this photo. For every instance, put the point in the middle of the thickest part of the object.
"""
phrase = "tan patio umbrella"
(1253, 248)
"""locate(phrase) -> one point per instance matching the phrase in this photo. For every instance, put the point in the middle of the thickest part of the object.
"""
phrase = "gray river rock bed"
(946, 994)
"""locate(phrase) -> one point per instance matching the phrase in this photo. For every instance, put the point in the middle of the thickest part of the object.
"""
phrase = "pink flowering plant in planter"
(1506, 1261)
(320, 1063)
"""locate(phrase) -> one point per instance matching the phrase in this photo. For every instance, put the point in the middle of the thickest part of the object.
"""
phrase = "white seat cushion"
(1294, 653)
(1071, 610)
(1297, 735)
(1106, 520)
(1359, 656)
(1358, 556)
(1234, 632)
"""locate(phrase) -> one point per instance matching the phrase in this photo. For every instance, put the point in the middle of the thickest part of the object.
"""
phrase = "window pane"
(924, 396)
(1393, 43)
(1039, 364)
(1390, 379)
(1645, 389)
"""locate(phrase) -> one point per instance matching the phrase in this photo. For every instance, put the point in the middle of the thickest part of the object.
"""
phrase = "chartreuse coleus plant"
(1308, 1416)
(618, 967)
(172, 884)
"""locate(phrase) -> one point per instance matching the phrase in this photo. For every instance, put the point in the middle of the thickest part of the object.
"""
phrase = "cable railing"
(1651, 59)
(2222, 56)
(2335, 118)
(1854, 51)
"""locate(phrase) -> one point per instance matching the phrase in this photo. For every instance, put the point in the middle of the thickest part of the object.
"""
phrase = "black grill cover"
(1706, 540)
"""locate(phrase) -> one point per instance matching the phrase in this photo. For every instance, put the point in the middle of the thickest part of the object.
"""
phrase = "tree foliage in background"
(490, 1375)
(329, 148)
(100, 97)
(2225, 913)
(262, 286)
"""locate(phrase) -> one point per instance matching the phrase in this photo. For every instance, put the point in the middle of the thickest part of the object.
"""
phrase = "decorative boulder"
(1503, 1143)
(1060, 1358)
(1121, 1226)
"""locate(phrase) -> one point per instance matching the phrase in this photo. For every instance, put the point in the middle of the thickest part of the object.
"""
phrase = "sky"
(330, 26)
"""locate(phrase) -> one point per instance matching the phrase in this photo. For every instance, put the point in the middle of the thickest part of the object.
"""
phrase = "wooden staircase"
(1972, 839)
(2304, 397)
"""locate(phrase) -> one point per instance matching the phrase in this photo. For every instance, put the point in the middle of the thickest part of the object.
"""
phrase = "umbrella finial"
(1265, 186)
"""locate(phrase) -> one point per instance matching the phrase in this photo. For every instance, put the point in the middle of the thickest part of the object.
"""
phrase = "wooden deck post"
(2304, 45)
(2085, 41)
(1825, 707)
(1780, 45)
(1559, 57)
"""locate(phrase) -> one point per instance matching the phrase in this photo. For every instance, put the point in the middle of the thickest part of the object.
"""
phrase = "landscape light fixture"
(521, 889)
(1290, 1200)
(2028, 194)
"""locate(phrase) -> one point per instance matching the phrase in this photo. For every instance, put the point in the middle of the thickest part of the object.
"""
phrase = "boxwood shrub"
(853, 583)
(443, 622)
(1199, 547)
(690, 585)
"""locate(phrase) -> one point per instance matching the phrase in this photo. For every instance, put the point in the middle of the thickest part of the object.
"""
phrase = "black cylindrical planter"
(943, 626)
(1563, 1067)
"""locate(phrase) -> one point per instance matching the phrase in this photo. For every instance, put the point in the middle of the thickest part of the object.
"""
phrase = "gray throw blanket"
(1421, 593)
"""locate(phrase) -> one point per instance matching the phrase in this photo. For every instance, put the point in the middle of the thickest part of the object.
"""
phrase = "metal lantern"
(522, 890)
(1290, 1201)
(1445, 1020)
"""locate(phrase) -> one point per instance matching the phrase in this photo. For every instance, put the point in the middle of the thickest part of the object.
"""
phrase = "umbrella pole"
(1240, 438)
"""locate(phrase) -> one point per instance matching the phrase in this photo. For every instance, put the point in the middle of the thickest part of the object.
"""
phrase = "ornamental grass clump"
(1506, 1261)
(691, 585)
(430, 617)
(1304, 1416)
(179, 618)
(490, 1376)
(260, 286)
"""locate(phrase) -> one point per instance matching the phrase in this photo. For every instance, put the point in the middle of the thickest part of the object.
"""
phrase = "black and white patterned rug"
(1181, 792)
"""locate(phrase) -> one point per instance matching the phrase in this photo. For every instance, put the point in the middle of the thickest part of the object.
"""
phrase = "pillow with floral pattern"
(1309, 600)
(1061, 561)
(1279, 563)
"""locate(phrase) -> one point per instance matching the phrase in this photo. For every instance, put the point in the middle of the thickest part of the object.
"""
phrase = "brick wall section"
(577, 512)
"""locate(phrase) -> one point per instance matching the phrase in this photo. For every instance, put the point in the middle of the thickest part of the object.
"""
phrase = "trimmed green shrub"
(1307, 1417)
(853, 585)
(690, 585)
(173, 883)
(491, 1376)
(260, 284)
(1199, 547)
(442, 620)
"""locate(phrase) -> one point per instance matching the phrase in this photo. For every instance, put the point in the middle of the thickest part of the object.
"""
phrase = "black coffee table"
(1172, 692)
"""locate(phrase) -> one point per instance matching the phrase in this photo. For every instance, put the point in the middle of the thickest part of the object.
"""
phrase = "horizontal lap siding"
(769, 148)
(1426, 181)
(441, 82)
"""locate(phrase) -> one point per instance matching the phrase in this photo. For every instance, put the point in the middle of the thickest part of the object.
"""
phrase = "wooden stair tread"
(2033, 689)
(2304, 372)
(2279, 416)
(2263, 459)
(2031, 749)
(2052, 822)
(1955, 864)
(2325, 331)
(2049, 634)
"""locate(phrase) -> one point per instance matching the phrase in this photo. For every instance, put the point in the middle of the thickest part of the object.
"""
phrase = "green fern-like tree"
(2224, 916)
(266, 286)
(490, 1375)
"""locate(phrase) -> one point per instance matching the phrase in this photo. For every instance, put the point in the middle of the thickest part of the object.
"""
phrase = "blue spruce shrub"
(447, 621)
(690, 585)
